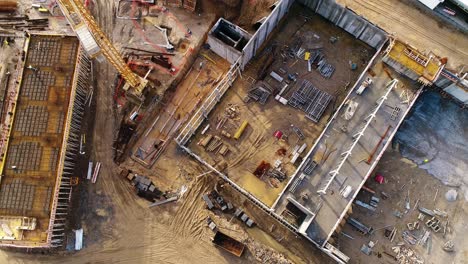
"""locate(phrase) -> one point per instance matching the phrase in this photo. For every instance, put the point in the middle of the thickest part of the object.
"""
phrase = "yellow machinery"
(241, 129)
(82, 22)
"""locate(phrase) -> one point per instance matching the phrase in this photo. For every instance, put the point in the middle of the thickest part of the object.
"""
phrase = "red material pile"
(8, 5)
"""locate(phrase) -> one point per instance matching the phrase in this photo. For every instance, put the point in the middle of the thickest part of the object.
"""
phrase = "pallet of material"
(311, 100)
(317, 107)
(174, 3)
(205, 141)
(259, 94)
(309, 166)
(223, 150)
(214, 144)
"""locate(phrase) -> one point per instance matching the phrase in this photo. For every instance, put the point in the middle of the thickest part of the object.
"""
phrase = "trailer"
(228, 243)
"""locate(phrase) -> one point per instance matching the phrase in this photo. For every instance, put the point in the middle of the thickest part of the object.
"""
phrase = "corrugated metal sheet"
(79, 239)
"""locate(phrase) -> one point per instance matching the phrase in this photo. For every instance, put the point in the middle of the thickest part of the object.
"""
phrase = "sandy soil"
(118, 226)
(416, 25)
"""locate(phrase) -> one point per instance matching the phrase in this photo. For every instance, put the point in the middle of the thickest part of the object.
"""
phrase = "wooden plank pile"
(22, 23)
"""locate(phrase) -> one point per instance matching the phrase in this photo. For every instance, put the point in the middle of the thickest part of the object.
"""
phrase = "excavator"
(96, 43)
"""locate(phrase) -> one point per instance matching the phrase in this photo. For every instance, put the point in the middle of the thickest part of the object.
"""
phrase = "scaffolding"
(69, 151)
(202, 113)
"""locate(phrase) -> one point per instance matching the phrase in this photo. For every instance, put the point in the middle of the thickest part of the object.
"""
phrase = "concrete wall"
(329, 9)
(348, 20)
(401, 69)
(458, 92)
(454, 85)
(224, 50)
(445, 79)
(264, 31)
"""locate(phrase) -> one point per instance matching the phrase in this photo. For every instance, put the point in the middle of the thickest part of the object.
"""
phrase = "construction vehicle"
(96, 43)
(228, 243)
(367, 83)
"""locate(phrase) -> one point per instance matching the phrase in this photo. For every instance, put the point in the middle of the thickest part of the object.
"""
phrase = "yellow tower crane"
(95, 42)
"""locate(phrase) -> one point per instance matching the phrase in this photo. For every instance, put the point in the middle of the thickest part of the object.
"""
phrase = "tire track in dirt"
(399, 17)
(414, 26)
(190, 215)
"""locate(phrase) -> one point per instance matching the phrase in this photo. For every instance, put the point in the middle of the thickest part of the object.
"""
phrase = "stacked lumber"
(23, 23)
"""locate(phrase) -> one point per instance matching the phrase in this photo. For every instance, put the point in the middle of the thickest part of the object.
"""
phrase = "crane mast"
(96, 42)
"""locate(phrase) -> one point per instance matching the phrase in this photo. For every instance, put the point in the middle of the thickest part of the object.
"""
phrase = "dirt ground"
(118, 226)
(257, 144)
(414, 23)
(270, 232)
(402, 176)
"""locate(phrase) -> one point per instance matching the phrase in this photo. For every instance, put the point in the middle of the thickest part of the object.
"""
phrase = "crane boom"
(82, 22)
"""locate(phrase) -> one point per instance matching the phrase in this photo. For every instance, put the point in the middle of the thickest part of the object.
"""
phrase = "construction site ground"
(258, 144)
(402, 176)
(118, 225)
(413, 22)
(179, 105)
(120, 228)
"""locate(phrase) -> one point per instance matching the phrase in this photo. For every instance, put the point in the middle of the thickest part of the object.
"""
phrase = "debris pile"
(214, 200)
(407, 256)
(273, 175)
(264, 254)
(449, 246)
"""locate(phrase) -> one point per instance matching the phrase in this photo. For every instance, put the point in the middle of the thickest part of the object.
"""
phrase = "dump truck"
(228, 243)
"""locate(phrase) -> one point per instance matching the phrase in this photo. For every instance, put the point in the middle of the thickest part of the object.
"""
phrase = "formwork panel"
(37, 134)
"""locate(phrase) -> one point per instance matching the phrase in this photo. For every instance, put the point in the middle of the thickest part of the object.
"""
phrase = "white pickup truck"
(364, 85)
